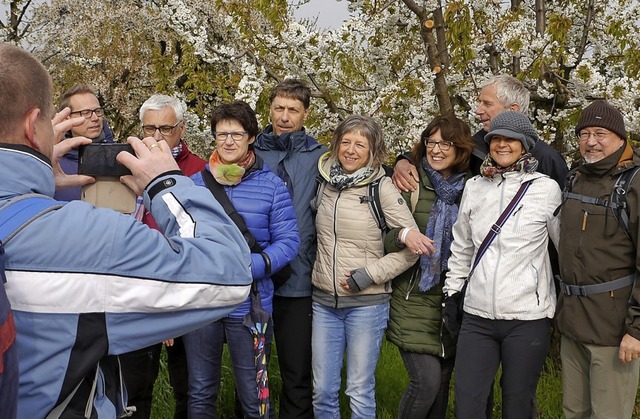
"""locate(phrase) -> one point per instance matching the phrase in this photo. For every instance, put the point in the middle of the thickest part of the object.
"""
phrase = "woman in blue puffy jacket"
(263, 201)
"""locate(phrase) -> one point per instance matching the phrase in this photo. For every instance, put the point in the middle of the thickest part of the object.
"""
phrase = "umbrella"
(257, 320)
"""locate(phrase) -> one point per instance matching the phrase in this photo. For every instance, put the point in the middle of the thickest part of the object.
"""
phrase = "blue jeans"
(204, 360)
(360, 331)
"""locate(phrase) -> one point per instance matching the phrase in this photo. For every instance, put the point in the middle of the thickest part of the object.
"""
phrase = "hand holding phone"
(99, 160)
(152, 159)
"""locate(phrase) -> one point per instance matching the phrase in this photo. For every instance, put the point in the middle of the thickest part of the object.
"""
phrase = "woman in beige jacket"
(350, 277)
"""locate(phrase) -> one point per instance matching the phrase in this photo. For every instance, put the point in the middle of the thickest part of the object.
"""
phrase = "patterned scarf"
(526, 163)
(341, 180)
(175, 151)
(443, 214)
(230, 174)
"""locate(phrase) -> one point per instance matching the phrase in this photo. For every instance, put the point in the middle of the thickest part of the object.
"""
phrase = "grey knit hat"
(600, 114)
(515, 125)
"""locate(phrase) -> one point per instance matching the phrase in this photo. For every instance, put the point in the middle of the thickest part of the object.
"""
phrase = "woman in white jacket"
(510, 297)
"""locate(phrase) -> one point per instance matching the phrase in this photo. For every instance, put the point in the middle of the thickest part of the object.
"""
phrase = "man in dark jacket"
(162, 117)
(293, 155)
(598, 314)
(499, 93)
(83, 102)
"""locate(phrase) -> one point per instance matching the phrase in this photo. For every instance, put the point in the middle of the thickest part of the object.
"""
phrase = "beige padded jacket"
(349, 238)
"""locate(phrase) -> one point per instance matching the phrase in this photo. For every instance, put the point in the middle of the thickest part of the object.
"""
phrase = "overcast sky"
(330, 13)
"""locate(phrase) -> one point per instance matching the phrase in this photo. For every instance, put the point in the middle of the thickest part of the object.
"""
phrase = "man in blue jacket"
(293, 155)
(85, 283)
(83, 102)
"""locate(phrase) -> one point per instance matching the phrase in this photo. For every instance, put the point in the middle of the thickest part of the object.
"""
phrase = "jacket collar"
(24, 171)
(620, 161)
(288, 141)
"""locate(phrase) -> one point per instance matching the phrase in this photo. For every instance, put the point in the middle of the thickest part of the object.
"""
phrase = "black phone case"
(99, 159)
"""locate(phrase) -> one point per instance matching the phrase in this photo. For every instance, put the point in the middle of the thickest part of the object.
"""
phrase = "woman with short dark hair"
(263, 201)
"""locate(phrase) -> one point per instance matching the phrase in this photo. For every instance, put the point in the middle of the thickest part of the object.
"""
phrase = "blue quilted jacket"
(262, 199)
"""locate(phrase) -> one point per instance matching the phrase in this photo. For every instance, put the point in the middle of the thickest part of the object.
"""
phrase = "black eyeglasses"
(86, 113)
(444, 145)
(222, 136)
(150, 130)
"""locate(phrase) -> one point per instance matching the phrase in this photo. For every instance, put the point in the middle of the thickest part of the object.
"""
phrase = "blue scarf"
(443, 214)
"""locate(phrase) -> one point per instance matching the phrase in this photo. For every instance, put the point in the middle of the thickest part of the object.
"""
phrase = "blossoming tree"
(401, 61)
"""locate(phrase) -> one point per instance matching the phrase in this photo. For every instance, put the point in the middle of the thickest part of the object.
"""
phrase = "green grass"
(391, 380)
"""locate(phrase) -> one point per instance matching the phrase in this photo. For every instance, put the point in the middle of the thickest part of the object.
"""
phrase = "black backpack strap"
(317, 198)
(619, 198)
(221, 196)
(375, 205)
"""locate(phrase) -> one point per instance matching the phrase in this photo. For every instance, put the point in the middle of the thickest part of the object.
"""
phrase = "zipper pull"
(584, 220)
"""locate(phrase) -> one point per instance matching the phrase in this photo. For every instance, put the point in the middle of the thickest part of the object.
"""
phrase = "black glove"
(452, 313)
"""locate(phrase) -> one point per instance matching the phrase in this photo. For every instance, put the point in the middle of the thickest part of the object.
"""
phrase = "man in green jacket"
(598, 313)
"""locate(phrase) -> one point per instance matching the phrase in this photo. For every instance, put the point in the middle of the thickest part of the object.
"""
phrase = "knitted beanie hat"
(600, 114)
(514, 125)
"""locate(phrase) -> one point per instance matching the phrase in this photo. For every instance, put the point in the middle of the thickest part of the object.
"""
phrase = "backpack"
(372, 199)
(617, 201)
(14, 216)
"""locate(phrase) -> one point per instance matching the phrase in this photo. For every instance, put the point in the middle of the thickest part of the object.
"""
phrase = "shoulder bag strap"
(221, 196)
(497, 226)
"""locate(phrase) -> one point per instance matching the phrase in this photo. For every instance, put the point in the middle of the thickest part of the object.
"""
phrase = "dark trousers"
(292, 329)
(520, 346)
(140, 370)
(427, 394)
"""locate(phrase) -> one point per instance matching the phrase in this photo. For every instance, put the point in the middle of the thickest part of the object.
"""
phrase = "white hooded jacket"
(513, 280)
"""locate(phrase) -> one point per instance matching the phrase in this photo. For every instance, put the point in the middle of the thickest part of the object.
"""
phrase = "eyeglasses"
(597, 135)
(444, 145)
(86, 113)
(150, 130)
(222, 136)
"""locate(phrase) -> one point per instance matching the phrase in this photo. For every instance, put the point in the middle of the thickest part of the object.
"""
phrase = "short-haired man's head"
(289, 106)
(162, 117)
(78, 89)
(292, 89)
(25, 85)
(510, 91)
(451, 129)
(368, 128)
(236, 111)
(83, 101)
(160, 103)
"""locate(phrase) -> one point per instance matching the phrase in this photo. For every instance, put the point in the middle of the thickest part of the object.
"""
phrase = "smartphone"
(99, 159)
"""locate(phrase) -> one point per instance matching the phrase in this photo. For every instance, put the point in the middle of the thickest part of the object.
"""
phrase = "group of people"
(450, 257)
(493, 263)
